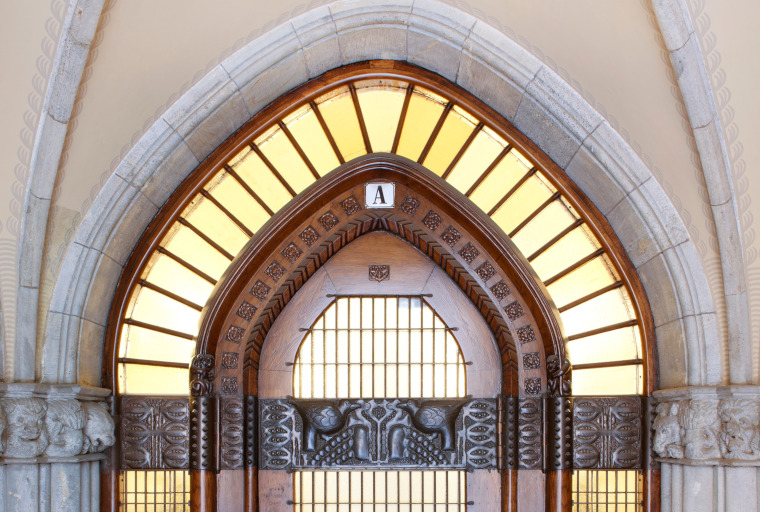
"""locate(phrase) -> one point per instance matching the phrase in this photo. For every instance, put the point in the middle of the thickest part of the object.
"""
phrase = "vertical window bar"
(362, 125)
(328, 134)
(402, 117)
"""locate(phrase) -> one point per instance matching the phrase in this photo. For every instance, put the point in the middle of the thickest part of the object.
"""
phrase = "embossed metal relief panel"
(383, 432)
(608, 432)
(155, 432)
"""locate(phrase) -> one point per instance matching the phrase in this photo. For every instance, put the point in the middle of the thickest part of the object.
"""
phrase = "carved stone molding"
(64, 421)
(708, 425)
(155, 432)
(368, 433)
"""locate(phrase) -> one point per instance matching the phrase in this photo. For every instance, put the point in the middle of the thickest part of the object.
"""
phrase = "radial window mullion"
(462, 150)
(304, 125)
(249, 190)
(326, 130)
(436, 131)
(187, 265)
(402, 117)
(205, 238)
(360, 117)
(529, 174)
(273, 169)
(229, 214)
(167, 293)
(504, 152)
(299, 150)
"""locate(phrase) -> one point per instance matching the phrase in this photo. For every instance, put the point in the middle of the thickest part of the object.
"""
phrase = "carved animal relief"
(389, 433)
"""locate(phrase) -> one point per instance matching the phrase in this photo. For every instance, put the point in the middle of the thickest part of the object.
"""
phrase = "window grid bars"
(608, 491)
(154, 491)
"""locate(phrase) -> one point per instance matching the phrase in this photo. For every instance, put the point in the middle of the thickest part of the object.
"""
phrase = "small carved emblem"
(235, 334)
(260, 290)
(379, 272)
(350, 205)
(229, 385)
(451, 236)
(526, 334)
(328, 220)
(309, 236)
(432, 220)
(229, 360)
(469, 252)
(514, 310)
(275, 271)
(291, 252)
(409, 205)
(500, 290)
(485, 271)
(246, 310)
(202, 375)
(531, 361)
(533, 386)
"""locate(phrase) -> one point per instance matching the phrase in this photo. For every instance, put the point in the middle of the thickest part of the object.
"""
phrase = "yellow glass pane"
(500, 181)
(421, 117)
(338, 110)
(574, 246)
(526, 199)
(257, 175)
(153, 308)
(586, 279)
(140, 343)
(196, 251)
(618, 345)
(170, 275)
(607, 309)
(454, 133)
(543, 227)
(138, 379)
(381, 108)
(211, 221)
(240, 203)
(479, 156)
(618, 380)
(307, 131)
(283, 156)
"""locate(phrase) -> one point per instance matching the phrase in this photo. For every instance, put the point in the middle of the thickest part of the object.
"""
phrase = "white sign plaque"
(379, 194)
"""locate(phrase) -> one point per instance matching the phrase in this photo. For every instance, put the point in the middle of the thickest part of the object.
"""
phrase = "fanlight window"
(379, 347)
(308, 140)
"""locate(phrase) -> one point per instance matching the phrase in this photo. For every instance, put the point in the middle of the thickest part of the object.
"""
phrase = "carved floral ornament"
(704, 427)
(34, 427)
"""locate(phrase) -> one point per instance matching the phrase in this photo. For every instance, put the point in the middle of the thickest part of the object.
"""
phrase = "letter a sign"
(379, 195)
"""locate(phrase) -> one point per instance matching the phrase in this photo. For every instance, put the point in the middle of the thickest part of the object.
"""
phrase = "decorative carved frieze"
(202, 433)
(291, 252)
(451, 236)
(432, 220)
(530, 422)
(510, 442)
(231, 433)
(705, 425)
(500, 290)
(246, 310)
(559, 433)
(368, 433)
(275, 271)
(155, 432)
(469, 252)
(329, 221)
(514, 310)
(409, 205)
(309, 236)
(608, 432)
(350, 205)
(260, 290)
(249, 431)
(485, 271)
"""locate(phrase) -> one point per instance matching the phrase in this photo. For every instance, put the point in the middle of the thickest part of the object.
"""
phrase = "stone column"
(708, 441)
(52, 439)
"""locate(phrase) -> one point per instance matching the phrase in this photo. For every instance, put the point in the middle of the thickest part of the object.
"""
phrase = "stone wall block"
(634, 233)
(33, 235)
(689, 259)
(130, 227)
(74, 298)
(314, 25)
(22, 488)
(349, 14)
(25, 356)
(374, 42)
(543, 128)
(587, 172)
(656, 276)
(617, 157)
(500, 52)
(101, 290)
(51, 135)
(664, 224)
(85, 20)
(63, 89)
(441, 18)
(496, 90)
(711, 154)
(91, 344)
(158, 186)
(322, 56)
(434, 53)
(270, 83)
(671, 348)
(156, 145)
(693, 83)
(113, 201)
(216, 127)
(698, 489)
(674, 21)
(564, 103)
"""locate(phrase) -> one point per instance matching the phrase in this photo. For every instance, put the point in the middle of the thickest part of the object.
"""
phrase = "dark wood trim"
(556, 239)
(152, 362)
(202, 491)
(158, 328)
(171, 295)
(534, 214)
(559, 484)
(239, 223)
(586, 298)
(606, 328)
(187, 265)
(509, 490)
(299, 150)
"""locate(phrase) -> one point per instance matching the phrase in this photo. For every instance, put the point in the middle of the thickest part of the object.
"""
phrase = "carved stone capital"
(708, 425)
(63, 421)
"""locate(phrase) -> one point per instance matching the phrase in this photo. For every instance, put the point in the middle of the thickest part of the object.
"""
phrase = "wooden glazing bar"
(535, 213)
(362, 125)
(323, 124)
(151, 362)
(593, 295)
(607, 364)
(158, 328)
(559, 490)
(187, 265)
(462, 150)
(601, 330)
(167, 293)
(248, 189)
(574, 266)
(298, 149)
(436, 130)
(206, 238)
(273, 169)
(489, 169)
(556, 239)
(512, 190)
(229, 214)
(203, 491)
(402, 117)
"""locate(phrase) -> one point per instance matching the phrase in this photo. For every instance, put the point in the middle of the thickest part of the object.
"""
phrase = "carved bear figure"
(98, 429)
(25, 435)
(64, 426)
